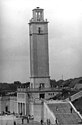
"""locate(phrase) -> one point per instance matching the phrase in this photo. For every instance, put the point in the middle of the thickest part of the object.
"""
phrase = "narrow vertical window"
(39, 30)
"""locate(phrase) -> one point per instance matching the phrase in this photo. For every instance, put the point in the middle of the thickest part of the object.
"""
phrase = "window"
(42, 85)
(6, 109)
(39, 30)
(42, 96)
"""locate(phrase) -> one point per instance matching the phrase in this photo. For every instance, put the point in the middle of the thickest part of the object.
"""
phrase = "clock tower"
(39, 55)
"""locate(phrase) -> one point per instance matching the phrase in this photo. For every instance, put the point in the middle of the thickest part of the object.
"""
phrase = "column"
(42, 111)
(31, 106)
(21, 108)
(18, 107)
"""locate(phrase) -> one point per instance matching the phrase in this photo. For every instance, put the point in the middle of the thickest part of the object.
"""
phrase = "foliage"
(11, 87)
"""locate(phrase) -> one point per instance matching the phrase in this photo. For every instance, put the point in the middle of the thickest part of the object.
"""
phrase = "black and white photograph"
(40, 62)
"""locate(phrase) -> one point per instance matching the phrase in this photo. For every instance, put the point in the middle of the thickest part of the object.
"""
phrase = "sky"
(65, 38)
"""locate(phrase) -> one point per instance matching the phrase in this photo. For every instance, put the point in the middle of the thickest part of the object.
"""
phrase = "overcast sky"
(65, 38)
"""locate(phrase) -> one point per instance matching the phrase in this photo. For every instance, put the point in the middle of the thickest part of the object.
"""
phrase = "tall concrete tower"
(39, 57)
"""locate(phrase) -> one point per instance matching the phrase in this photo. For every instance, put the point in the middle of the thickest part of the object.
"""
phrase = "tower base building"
(40, 82)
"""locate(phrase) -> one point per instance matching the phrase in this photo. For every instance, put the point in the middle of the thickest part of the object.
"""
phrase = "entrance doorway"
(6, 109)
(42, 96)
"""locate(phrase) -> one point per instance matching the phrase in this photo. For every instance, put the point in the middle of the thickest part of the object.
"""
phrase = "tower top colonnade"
(38, 15)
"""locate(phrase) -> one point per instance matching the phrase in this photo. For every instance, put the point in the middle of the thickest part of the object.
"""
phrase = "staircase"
(63, 114)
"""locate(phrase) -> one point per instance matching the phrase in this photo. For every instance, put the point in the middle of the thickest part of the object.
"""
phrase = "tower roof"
(37, 8)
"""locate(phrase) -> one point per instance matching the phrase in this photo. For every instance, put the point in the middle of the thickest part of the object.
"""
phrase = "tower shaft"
(39, 56)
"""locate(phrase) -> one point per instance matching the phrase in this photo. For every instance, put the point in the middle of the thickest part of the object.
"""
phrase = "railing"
(35, 90)
(75, 96)
(76, 110)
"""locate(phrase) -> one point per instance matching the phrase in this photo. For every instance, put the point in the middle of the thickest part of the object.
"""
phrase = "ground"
(9, 119)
